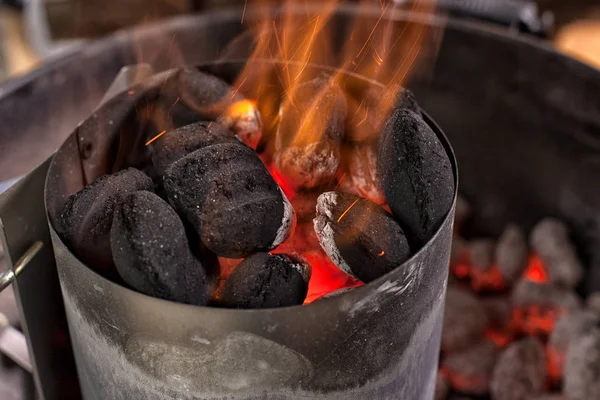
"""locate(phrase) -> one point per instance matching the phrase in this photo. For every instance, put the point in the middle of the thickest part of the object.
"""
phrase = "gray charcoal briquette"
(582, 367)
(307, 143)
(470, 370)
(465, 320)
(511, 253)
(550, 240)
(360, 237)
(520, 373)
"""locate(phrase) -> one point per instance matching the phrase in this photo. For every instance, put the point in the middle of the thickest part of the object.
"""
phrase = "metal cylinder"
(377, 341)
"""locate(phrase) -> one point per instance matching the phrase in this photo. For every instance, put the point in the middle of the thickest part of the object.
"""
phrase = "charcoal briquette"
(307, 143)
(360, 175)
(527, 293)
(215, 99)
(416, 174)
(582, 367)
(360, 237)
(266, 281)
(550, 239)
(243, 118)
(205, 93)
(569, 329)
(180, 142)
(593, 302)
(470, 370)
(511, 253)
(228, 196)
(481, 253)
(151, 251)
(86, 218)
(465, 320)
(520, 373)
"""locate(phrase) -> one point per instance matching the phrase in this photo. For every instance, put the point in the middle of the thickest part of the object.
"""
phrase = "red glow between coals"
(535, 320)
(464, 382)
(536, 271)
(325, 276)
(554, 364)
(498, 337)
(480, 280)
(289, 192)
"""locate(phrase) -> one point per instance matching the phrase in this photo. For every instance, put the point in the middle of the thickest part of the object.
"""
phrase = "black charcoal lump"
(87, 216)
(416, 174)
(360, 237)
(151, 251)
(226, 193)
(215, 99)
(266, 281)
(180, 142)
(205, 93)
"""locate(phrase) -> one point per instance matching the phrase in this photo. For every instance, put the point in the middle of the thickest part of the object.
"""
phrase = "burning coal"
(239, 168)
(516, 296)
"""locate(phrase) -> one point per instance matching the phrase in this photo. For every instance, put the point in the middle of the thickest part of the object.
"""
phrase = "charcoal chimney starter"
(380, 340)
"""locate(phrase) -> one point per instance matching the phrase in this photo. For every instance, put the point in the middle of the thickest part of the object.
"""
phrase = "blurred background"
(34, 31)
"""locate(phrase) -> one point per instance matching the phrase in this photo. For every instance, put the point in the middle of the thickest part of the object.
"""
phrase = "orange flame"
(375, 46)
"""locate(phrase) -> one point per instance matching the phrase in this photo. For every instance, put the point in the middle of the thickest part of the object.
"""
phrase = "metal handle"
(524, 15)
(8, 277)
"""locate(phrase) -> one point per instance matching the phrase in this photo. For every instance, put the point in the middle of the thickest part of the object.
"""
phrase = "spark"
(303, 67)
(381, 254)
(347, 209)
(340, 181)
(378, 58)
(282, 52)
(373, 30)
(362, 121)
(155, 137)
(131, 92)
(244, 11)
(171, 109)
(236, 90)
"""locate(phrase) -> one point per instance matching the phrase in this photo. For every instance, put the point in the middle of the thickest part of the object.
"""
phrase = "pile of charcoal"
(514, 326)
(199, 205)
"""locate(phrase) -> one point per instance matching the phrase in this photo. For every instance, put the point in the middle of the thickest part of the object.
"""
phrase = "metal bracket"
(8, 277)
